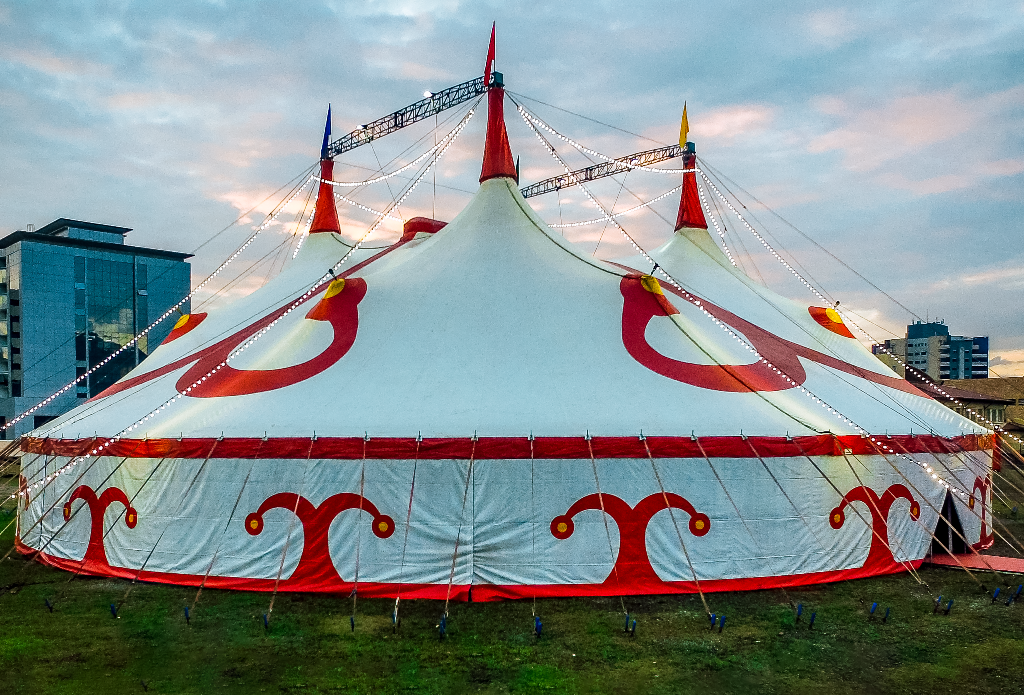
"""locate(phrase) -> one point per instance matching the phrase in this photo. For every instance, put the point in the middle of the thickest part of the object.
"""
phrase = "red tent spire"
(690, 213)
(498, 160)
(325, 218)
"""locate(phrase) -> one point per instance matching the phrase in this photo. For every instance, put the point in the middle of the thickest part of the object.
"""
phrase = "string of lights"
(353, 203)
(305, 233)
(699, 304)
(441, 145)
(328, 276)
(760, 238)
(925, 379)
(527, 115)
(938, 389)
(596, 220)
(714, 221)
(131, 343)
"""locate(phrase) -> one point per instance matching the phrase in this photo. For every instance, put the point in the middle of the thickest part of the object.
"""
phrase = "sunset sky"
(892, 134)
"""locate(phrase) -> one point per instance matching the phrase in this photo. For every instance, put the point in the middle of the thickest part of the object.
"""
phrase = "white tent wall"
(781, 535)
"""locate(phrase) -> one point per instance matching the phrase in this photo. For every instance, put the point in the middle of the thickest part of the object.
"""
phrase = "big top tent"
(483, 410)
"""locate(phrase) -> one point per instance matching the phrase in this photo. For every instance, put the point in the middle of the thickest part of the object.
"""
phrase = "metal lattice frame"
(599, 171)
(425, 108)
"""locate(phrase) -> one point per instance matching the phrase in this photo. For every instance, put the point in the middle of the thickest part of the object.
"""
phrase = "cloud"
(831, 28)
(1009, 362)
(732, 122)
(869, 137)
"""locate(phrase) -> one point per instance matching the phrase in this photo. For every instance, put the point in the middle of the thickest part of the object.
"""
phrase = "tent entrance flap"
(949, 533)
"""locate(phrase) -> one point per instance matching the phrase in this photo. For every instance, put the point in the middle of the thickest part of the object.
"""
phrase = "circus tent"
(482, 407)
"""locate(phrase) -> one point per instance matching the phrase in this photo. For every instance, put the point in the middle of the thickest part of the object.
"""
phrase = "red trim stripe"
(461, 592)
(507, 447)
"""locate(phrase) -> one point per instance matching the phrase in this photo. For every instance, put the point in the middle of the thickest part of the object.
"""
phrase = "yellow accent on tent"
(182, 321)
(833, 315)
(651, 284)
(684, 128)
(334, 288)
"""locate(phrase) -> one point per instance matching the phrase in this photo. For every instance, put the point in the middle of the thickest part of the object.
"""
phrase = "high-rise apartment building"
(929, 348)
(71, 294)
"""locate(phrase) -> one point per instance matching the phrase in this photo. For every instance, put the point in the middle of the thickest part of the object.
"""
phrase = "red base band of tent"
(505, 447)
(464, 592)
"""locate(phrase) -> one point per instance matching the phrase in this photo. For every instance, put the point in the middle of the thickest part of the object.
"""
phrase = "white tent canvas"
(488, 409)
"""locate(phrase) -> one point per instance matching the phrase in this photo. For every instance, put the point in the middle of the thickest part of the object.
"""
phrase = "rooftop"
(59, 225)
(50, 237)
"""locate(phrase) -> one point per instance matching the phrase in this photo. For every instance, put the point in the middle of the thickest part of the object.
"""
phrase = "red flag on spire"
(490, 58)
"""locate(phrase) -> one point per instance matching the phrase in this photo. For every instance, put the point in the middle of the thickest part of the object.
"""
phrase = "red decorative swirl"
(640, 306)
(986, 538)
(315, 564)
(880, 556)
(184, 325)
(95, 554)
(632, 565)
(338, 308)
(829, 318)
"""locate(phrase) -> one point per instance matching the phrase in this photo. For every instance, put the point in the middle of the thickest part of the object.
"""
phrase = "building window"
(110, 286)
(41, 420)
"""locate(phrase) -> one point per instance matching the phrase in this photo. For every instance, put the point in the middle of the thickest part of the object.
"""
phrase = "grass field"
(310, 648)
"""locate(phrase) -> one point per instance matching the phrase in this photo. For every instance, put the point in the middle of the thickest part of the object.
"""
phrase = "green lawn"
(81, 648)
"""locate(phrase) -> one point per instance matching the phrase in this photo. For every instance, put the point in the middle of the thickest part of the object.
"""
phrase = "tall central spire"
(498, 162)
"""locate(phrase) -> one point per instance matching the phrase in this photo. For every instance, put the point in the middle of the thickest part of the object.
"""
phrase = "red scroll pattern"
(339, 308)
(880, 556)
(986, 538)
(315, 566)
(640, 306)
(95, 560)
(632, 566)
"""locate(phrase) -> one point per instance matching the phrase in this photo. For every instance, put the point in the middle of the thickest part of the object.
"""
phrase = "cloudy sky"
(890, 134)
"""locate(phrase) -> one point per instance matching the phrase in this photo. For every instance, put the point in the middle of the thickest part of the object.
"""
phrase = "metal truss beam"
(599, 171)
(425, 108)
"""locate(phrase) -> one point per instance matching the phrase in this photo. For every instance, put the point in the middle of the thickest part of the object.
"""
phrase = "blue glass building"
(71, 294)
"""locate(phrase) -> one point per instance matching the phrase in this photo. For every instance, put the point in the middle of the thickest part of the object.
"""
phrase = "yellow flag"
(684, 128)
